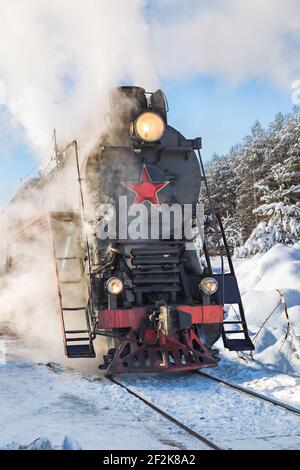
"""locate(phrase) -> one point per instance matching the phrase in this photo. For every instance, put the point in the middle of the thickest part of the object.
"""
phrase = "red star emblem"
(146, 189)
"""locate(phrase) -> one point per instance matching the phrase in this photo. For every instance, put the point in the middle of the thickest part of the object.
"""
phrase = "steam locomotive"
(158, 300)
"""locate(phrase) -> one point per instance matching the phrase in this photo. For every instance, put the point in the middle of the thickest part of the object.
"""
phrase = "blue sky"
(16, 158)
(221, 114)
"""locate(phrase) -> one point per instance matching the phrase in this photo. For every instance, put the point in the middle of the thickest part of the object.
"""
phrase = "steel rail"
(252, 393)
(170, 418)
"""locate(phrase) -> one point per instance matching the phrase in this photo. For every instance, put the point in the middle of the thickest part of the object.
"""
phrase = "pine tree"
(280, 211)
(233, 231)
(249, 168)
(222, 183)
(256, 185)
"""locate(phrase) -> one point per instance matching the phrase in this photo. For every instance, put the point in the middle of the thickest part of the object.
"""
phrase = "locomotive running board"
(164, 355)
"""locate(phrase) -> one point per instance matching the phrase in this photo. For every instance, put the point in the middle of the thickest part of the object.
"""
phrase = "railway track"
(252, 393)
(218, 417)
(230, 417)
(210, 444)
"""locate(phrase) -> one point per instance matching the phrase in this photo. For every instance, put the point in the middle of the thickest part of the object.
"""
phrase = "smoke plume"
(59, 58)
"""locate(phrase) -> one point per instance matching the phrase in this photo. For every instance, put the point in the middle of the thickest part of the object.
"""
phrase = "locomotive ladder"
(231, 296)
(228, 282)
(72, 287)
(78, 341)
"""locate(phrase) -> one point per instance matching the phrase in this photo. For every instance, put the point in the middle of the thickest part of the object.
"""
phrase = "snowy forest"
(257, 186)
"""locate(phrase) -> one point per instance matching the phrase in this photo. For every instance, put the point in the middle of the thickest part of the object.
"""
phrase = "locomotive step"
(80, 351)
(73, 309)
(232, 332)
(73, 332)
(244, 344)
(86, 338)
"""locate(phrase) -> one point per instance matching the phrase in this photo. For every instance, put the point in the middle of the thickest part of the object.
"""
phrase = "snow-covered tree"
(233, 231)
(256, 185)
(279, 211)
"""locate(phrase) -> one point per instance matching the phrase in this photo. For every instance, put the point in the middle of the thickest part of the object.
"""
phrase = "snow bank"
(268, 282)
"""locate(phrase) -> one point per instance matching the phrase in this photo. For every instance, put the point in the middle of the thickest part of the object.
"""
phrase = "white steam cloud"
(59, 58)
(235, 39)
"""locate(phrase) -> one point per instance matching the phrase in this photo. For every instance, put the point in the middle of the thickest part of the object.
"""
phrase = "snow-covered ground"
(270, 288)
(52, 407)
(46, 407)
(255, 376)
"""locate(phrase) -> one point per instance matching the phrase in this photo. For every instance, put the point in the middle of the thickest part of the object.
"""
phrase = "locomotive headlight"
(114, 285)
(209, 285)
(149, 127)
